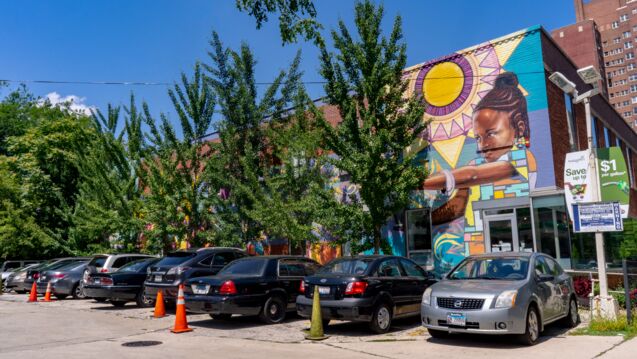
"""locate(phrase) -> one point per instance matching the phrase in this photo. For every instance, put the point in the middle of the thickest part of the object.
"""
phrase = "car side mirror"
(546, 277)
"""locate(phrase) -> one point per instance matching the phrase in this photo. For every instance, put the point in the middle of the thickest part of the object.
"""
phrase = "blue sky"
(155, 40)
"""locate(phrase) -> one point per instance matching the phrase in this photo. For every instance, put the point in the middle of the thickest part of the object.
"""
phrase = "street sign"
(597, 217)
(577, 182)
(614, 182)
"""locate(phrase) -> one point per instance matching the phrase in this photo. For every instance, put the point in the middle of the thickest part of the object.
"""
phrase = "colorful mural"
(488, 114)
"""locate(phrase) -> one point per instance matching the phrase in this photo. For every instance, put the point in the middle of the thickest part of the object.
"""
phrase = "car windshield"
(60, 264)
(137, 265)
(175, 258)
(347, 266)
(492, 268)
(245, 267)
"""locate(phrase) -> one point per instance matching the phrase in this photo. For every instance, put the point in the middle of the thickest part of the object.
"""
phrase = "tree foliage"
(364, 80)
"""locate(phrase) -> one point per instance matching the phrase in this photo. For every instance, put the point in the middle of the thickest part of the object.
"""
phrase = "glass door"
(501, 233)
(418, 235)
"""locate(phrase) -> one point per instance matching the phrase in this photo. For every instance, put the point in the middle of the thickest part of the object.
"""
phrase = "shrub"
(582, 286)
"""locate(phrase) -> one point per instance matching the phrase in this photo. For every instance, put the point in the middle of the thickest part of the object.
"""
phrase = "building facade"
(495, 149)
(617, 25)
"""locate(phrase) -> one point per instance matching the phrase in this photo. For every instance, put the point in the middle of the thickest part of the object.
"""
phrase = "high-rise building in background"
(607, 28)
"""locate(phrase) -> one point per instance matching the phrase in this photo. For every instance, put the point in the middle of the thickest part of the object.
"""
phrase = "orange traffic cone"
(47, 295)
(181, 325)
(160, 310)
(33, 297)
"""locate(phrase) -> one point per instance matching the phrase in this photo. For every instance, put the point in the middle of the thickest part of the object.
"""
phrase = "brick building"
(616, 22)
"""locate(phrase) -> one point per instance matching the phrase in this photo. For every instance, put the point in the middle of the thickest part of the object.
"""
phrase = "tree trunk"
(377, 239)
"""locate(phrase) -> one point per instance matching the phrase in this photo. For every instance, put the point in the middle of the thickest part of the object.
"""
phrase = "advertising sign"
(577, 182)
(613, 177)
(597, 217)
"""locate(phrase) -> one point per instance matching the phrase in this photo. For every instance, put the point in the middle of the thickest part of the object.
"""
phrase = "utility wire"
(137, 83)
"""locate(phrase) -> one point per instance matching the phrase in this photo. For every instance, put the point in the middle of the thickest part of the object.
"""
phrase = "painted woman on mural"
(500, 126)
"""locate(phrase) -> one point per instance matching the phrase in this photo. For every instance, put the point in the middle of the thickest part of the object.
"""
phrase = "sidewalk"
(624, 350)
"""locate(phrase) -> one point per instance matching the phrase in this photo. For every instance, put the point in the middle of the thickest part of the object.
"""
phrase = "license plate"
(97, 281)
(158, 278)
(458, 319)
(324, 290)
(200, 288)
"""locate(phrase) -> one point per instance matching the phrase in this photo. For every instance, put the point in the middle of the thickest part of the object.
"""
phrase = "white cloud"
(72, 102)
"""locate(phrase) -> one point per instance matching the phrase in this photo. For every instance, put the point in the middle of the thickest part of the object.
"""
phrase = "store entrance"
(508, 230)
(418, 236)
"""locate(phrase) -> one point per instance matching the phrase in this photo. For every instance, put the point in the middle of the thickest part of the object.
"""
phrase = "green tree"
(364, 80)
(179, 203)
(296, 17)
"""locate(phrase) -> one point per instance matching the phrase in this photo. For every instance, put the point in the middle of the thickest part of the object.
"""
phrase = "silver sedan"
(501, 293)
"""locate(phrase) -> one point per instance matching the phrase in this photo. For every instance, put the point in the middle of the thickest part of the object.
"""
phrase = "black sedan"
(122, 286)
(373, 289)
(265, 286)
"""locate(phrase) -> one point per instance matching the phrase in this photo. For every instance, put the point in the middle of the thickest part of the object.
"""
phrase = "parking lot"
(81, 328)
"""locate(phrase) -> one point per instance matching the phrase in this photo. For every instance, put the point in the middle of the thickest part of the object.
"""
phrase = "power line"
(142, 83)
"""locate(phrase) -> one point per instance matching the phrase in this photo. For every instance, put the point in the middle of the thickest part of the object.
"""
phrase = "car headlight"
(426, 296)
(506, 299)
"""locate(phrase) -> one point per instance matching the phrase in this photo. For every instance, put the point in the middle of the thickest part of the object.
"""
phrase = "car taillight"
(106, 281)
(302, 287)
(36, 275)
(59, 275)
(228, 287)
(104, 270)
(357, 287)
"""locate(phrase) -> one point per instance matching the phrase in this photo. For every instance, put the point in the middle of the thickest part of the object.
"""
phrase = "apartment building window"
(627, 114)
(632, 77)
(617, 40)
(630, 55)
(623, 18)
(634, 11)
(625, 103)
(607, 135)
(614, 25)
(570, 119)
(626, 34)
(628, 45)
(630, 66)
(634, 100)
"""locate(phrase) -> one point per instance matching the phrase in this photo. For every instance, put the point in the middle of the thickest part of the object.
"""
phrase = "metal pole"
(629, 314)
(599, 237)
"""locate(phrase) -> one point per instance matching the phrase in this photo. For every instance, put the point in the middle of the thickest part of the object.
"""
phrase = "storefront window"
(419, 236)
(525, 230)
(552, 228)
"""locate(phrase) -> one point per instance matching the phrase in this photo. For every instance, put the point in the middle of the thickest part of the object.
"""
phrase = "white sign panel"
(577, 182)
(597, 217)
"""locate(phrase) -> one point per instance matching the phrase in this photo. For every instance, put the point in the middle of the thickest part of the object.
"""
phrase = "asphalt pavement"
(84, 328)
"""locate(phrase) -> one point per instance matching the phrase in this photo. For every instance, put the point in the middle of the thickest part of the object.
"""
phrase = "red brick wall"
(559, 129)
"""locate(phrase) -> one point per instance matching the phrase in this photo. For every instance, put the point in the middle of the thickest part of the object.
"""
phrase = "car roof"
(505, 254)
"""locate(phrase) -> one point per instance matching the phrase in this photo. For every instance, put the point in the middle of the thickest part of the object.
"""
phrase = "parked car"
(374, 289)
(107, 263)
(65, 279)
(124, 285)
(266, 286)
(9, 267)
(177, 267)
(33, 273)
(501, 293)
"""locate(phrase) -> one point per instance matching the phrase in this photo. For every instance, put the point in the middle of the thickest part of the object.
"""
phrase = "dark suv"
(177, 267)
(372, 289)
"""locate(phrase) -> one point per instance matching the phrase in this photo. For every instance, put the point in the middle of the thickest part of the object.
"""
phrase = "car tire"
(381, 319)
(273, 311)
(100, 300)
(532, 328)
(144, 301)
(221, 316)
(572, 317)
(325, 323)
(118, 303)
(61, 296)
(438, 334)
(78, 292)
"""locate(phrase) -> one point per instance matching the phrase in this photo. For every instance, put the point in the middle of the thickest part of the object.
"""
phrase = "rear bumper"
(169, 291)
(64, 287)
(244, 305)
(353, 309)
(112, 292)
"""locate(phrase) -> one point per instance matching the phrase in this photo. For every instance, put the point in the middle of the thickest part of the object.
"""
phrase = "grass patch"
(609, 328)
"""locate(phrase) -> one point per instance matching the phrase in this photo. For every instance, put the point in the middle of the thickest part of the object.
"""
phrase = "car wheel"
(273, 311)
(221, 316)
(100, 300)
(438, 334)
(118, 303)
(78, 291)
(144, 301)
(532, 333)
(61, 296)
(572, 317)
(381, 319)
